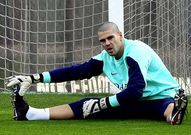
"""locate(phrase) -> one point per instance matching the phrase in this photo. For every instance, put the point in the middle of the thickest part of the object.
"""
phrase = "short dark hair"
(107, 26)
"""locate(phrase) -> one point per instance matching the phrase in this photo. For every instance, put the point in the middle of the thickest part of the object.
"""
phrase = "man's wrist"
(104, 103)
(36, 78)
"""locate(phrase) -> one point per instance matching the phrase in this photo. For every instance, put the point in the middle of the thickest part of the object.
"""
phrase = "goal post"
(116, 13)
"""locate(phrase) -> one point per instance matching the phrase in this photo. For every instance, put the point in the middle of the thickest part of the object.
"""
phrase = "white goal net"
(165, 25)
(40, 35)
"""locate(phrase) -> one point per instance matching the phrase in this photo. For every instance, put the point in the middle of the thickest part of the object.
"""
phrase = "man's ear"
(121, 36)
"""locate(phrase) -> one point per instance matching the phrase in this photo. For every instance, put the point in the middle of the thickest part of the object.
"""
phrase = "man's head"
(111, 39)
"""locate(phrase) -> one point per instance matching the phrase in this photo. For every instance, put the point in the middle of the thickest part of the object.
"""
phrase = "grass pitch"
(80, 127)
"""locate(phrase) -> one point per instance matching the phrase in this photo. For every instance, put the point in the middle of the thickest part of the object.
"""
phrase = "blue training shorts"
(152, 109)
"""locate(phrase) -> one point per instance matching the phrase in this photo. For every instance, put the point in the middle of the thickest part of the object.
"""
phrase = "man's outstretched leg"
(22, 111)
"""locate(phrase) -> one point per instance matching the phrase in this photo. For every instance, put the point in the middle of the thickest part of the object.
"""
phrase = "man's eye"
(110, 37)
(102, 40)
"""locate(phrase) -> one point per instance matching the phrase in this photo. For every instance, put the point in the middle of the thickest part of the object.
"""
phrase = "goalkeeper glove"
(24, 82)
(95, 105)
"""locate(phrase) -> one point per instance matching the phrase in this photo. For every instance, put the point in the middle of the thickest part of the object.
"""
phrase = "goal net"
(41, 35)
(165, 25)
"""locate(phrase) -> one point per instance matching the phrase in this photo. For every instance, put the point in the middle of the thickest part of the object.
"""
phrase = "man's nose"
(107, 42)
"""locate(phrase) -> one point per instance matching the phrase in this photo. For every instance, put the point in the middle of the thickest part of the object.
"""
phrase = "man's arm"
(80, 71)
(135, 85)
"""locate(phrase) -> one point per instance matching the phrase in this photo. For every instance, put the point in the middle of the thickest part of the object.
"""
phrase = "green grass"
(80, 127)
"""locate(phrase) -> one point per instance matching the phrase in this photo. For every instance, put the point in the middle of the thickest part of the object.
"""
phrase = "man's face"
(112, 43)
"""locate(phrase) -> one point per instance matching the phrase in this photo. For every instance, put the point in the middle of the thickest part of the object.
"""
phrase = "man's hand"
(94, 105)
(24, 82)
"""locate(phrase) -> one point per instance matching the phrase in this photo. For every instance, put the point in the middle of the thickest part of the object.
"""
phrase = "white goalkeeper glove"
(94, 105)
(23, 81)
